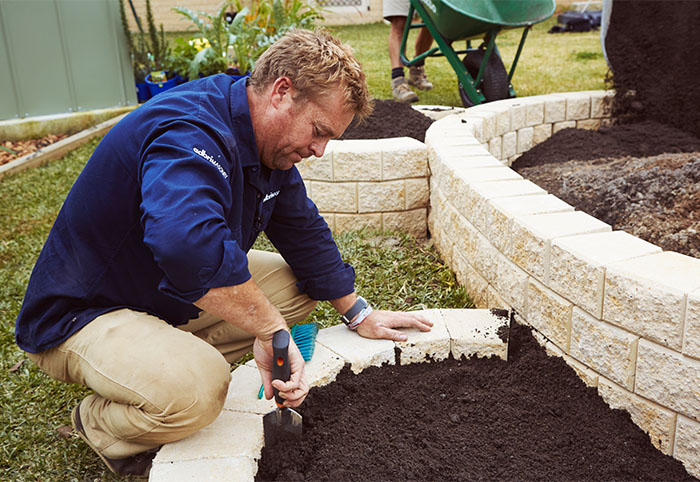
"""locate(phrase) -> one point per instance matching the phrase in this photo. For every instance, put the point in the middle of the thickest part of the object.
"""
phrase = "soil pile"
(652, 47)
(530, 418)
(390, 119)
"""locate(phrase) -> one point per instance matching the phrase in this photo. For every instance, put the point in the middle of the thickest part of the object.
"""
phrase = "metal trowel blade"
(282, 425)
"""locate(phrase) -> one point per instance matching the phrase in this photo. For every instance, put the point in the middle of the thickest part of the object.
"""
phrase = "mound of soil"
(652, 193)
(390, 119)
(530, 418)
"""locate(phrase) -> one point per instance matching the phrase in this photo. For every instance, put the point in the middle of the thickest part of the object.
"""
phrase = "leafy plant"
(234, 38)
(149, 53)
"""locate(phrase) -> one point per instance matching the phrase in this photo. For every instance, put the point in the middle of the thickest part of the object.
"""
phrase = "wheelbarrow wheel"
(494, 83)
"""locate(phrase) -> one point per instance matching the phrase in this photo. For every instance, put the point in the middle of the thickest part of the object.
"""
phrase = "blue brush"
(304, 337)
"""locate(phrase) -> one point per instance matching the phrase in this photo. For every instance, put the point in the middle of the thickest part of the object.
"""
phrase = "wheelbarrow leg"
(465, 80)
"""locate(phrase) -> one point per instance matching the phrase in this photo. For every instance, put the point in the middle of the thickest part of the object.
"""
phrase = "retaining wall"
(622, 312)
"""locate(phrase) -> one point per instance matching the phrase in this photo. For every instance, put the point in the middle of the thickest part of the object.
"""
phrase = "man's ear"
(281, 91)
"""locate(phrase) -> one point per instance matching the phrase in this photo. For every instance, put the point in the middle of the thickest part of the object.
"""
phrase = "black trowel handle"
(280, 360)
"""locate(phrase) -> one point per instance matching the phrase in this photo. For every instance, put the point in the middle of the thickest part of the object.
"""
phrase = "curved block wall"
(622, 312)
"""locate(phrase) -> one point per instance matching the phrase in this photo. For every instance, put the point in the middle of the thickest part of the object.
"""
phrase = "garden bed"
(530, 418)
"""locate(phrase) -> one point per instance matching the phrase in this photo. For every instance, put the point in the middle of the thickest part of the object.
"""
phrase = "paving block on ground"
(230, 469)
(232, 434)
(477, 332)
(423, 346)
(243, 392)
(359, 352)
(647, 295)
(323, 367)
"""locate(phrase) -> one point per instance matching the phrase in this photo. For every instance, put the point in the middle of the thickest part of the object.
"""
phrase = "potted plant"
(149, 53)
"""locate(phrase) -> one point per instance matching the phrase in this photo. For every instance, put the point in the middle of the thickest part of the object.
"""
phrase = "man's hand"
(295, 390)
(382, 324)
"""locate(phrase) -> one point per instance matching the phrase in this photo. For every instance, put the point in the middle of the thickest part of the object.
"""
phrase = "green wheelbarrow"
(481, 75)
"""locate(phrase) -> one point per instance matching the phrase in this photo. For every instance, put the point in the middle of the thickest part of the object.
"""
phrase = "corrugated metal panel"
(63, 56)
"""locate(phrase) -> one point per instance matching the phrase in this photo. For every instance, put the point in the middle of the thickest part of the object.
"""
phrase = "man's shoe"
(138, 465)
(401, 91)
(418, 79)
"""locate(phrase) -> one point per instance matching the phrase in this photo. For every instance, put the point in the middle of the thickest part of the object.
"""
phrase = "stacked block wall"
(622, 312)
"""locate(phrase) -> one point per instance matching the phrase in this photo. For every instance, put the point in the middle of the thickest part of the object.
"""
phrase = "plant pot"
(142, 92)
(156, 88)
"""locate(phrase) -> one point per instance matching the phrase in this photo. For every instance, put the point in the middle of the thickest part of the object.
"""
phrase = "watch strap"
(354, 310)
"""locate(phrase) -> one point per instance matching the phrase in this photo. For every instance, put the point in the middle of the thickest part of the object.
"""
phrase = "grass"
(394, 270)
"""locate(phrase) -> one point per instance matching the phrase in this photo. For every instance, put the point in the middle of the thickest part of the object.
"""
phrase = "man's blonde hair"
(315, 62)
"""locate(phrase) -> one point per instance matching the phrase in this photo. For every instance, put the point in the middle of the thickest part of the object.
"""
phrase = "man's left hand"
(383, 324)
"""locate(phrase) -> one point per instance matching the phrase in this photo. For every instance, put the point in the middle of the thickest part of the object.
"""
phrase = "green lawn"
(395, 271)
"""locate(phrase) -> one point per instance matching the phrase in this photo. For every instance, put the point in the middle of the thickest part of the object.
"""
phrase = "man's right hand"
(295, 390)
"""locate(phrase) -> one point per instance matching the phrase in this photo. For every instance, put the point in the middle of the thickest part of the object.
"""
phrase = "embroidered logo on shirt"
(209, 158)
(270, 195)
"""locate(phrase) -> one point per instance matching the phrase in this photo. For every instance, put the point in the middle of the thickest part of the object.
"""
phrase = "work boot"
(138, 465)
(401, 91)
(417, 78)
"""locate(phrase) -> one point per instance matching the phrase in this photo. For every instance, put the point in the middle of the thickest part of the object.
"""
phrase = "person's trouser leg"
(274, 277)
(153, 383)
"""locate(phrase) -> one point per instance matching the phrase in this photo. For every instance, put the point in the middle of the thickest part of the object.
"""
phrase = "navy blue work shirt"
(166, 209)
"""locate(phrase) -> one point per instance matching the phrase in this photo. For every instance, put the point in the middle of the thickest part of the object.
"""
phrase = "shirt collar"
(243, 125)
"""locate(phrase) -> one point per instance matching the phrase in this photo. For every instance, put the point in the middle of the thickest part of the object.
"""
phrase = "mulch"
(530, 418)
(11, 150)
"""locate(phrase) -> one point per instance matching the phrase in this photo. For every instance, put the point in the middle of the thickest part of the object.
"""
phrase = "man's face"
(302, 128)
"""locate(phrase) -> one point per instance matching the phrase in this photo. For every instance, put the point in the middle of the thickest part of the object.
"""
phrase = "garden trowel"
(282, 424)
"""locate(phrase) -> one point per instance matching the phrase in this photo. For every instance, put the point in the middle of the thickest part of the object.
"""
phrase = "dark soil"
(642, 178)
(390, 119)
(530, 418)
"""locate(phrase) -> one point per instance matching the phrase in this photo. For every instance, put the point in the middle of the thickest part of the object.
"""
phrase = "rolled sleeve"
(330, 286)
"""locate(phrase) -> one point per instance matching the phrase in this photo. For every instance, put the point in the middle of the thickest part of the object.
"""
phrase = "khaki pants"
(155, 383)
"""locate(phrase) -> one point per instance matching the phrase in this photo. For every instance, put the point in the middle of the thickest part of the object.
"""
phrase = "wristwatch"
(354, 310)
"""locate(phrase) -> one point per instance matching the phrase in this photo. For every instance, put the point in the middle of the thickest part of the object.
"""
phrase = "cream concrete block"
(587, 376)
(232, 434)
(541, 133)
(534, 112)
(533, 235)
(381, 196)
(477, 332)
(230, 469)
(355, 222)
(358, 160)
(691, 339)
(462, 233)
(525, 137)
(423, 346)
(654, 419)
(600, 103)
(577, 264)
(317, 168)
(455, 141)
(482, 174)
(475, 199)
(496, 146)
(518, 116)
(417, 193)
(647, 295)
(473, 282)
(307, 188)
(437, 112)
(557, 126)
(509, 145)
(506, 278)
(500, 213)
(323, 367)
(461, 126)
(609, 350)
(554, 109)
(413, 222)
(495, 300)
(687, 445)
(243, 392)
(549, 313)
(404, 157)
(359, 352)
(591, 124)
(338, 197)
(578, 106)
(488, 124)
(455, 158)
(669, 378)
